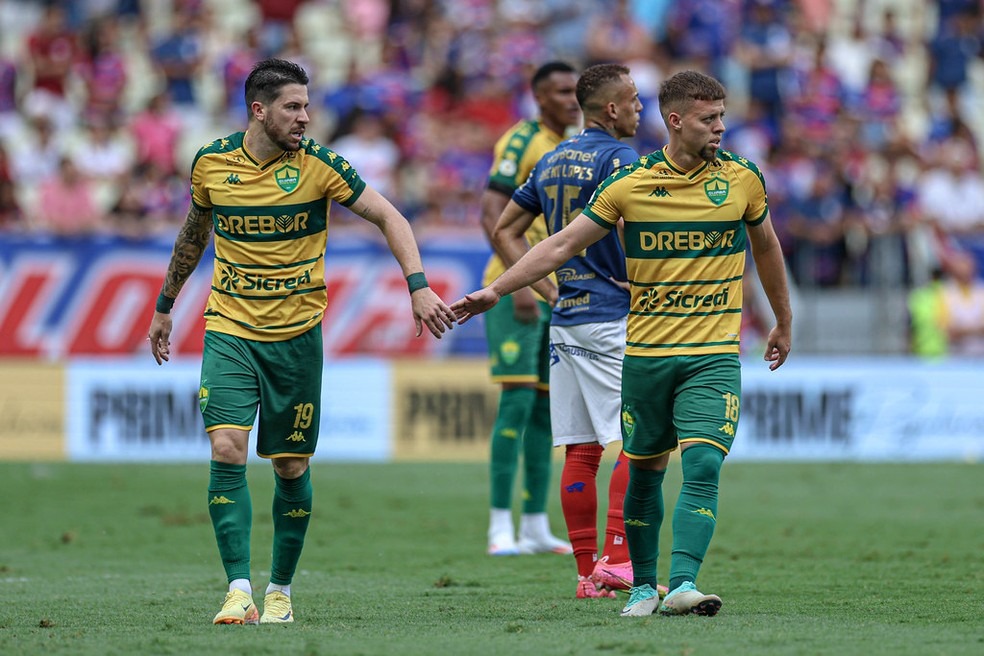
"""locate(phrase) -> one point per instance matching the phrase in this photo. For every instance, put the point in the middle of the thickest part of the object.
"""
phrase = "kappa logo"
(660, 192)
(296, 436)
(728, 429)
(297, 513)
(218, 500)
(635, 522)
(706, 512)
(233, 179)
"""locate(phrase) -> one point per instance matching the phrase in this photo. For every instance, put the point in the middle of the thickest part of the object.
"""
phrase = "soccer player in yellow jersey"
(517, 331)
(266, 194)
(689, 211)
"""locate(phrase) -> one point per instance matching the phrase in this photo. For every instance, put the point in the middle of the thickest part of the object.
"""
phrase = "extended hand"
(474, 303)
(430, 310)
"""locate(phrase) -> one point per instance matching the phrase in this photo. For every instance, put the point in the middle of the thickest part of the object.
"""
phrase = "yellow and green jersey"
(271, 229)
(515, 154)
(685, 249)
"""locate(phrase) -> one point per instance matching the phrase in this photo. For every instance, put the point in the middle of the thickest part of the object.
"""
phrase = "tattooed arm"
(188, 250)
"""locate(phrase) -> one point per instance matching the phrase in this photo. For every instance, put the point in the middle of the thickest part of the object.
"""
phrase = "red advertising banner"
(62, 298)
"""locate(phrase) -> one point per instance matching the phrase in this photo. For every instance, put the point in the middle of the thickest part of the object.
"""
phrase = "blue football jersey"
(559, 187)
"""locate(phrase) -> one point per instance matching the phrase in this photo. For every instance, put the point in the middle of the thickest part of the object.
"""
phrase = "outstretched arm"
(189, 246)
(772, 273)
(509, 241)
(428, 308)
(492, 203)
(537, 263)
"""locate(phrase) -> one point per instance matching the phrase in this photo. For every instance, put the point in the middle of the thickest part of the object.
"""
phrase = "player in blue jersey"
(587, 326)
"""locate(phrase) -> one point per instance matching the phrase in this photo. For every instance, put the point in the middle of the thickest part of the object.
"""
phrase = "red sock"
(615, 546)
(579, 500)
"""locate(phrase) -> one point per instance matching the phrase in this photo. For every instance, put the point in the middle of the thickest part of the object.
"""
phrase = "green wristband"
(416, 281)
(164, 303)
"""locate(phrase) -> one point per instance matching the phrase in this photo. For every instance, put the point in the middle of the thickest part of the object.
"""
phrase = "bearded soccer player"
(689, 210)
(517, 332)
(266, 193)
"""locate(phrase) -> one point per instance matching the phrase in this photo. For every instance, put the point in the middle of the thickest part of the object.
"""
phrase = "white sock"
(500, 521)
(534, 525)
(273, 587)
(241, 584)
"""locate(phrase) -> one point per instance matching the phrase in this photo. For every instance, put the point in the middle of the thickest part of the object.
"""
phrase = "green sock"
(292, 502)
(515, 406)
(643, 511)
(695, 514)
(537, 451)
(231, 511)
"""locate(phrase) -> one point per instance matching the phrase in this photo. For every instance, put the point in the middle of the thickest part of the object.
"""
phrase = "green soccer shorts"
(667, 401)
(281, 380)
(518, 352)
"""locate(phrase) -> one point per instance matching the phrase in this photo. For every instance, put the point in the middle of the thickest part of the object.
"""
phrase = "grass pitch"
(821, 558)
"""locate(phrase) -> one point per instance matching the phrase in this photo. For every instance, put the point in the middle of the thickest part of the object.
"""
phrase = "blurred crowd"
(860, 113)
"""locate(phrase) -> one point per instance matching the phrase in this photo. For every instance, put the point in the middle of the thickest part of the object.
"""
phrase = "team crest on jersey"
(628, 420)
(717, 190)
(288, 176)
(509, 351)
(202, 398)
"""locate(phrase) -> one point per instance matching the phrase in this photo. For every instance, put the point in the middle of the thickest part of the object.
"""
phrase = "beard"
(283, 140)
(708, 153)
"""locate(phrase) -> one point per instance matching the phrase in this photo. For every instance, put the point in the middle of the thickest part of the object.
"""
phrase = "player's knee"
(702, 463)
(655, 463)
(290, 468)
(229, 447)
